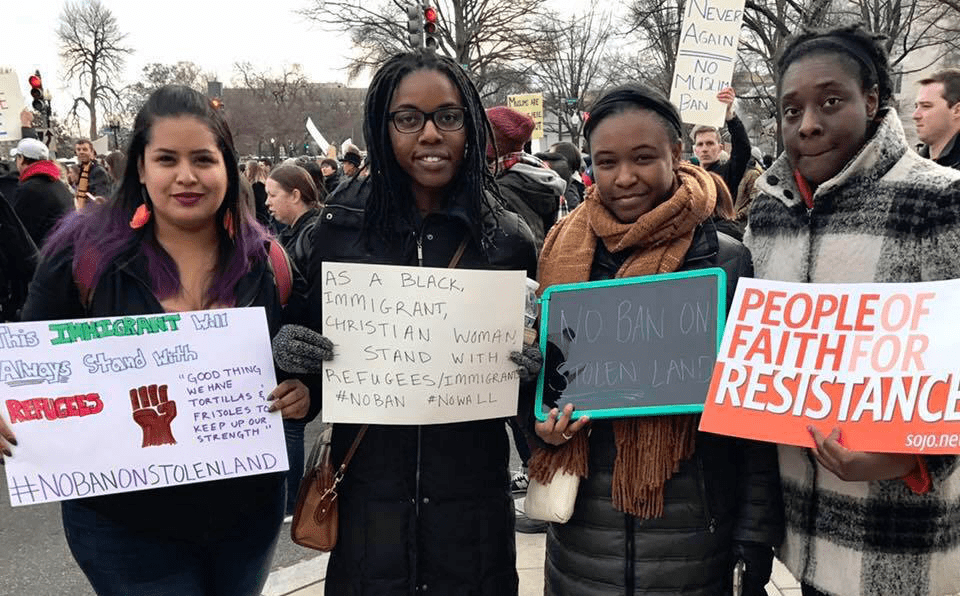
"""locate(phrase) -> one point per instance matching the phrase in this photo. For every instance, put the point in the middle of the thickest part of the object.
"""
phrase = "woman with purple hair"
(176, 236)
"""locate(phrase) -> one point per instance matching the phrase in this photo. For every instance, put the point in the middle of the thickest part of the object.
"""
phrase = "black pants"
(807, 590)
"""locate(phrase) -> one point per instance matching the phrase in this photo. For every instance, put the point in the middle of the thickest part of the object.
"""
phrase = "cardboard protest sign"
(878, 361)
(638, 346)
(419, 345)
(530, 104)
(118, 404)
(317, 137)
(705, 59)
(11, 104)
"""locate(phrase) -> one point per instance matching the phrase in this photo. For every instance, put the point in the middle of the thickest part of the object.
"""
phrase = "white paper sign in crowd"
(119, 404)
(417, 345)
(11, 104)
(705, 59)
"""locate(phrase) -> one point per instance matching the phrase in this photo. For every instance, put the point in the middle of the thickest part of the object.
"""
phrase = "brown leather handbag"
(316, 519)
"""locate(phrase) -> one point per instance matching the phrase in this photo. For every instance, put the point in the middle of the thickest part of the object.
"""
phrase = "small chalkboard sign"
(639, 346)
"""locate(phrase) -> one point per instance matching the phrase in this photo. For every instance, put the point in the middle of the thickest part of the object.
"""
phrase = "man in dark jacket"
(707, 146)
(94, 180)
(40, 199)
(530, 189)
(331, 175)
(937, 117)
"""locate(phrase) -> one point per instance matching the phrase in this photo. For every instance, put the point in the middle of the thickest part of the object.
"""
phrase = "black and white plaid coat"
(888, 216)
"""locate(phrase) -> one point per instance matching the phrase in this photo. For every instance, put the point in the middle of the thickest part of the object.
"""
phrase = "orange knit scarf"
(649, 449)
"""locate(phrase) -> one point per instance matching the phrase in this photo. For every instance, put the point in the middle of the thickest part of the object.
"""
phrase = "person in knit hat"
(529, 187)
(40, 199)
(661, 508)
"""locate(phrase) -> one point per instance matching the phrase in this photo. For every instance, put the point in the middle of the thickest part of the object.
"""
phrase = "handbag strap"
(454, 261)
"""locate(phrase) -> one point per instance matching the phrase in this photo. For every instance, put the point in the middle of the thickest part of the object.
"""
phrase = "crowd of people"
(181, 225)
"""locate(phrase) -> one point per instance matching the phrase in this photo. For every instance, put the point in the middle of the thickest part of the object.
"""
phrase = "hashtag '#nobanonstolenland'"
(19, 491)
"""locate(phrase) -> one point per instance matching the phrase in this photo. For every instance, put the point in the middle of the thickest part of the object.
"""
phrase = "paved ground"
(306, 579)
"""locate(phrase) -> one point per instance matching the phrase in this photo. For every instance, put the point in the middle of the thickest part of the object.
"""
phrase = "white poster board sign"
(705, 59)
(530, 104)
(11, 104)
(317, 137)
(418, 345)
(102, 406)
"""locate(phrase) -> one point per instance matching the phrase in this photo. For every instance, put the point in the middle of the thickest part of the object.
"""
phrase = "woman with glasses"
(423, 509)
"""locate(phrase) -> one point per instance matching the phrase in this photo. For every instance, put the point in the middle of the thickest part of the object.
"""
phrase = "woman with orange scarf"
(661, 508)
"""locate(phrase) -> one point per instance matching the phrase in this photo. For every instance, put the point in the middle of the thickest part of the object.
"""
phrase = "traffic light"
(430, 20)
(36, 91)
(415, 26)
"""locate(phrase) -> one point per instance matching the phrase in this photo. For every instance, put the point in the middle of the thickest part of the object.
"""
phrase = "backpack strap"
(281, 271)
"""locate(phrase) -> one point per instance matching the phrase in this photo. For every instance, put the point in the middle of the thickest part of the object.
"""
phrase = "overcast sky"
(211, 33)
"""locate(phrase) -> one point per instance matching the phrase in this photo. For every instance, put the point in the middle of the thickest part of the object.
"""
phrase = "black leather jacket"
(423, 509)
(725, 498)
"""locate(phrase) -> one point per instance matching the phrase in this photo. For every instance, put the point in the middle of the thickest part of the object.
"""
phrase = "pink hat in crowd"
(511, 130)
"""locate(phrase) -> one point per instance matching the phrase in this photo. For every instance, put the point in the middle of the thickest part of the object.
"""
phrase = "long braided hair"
(391, 198)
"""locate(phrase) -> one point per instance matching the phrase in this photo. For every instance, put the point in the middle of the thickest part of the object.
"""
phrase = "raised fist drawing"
(154, 413)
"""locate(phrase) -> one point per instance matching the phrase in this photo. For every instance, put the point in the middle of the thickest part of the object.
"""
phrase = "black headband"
(643, 98)
(835, 42)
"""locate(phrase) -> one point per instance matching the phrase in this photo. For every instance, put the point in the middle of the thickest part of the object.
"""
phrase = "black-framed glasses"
(412, 120)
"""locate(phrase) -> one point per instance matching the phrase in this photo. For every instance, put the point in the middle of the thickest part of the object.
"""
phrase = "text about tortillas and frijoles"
(417, 345)
(877, 361)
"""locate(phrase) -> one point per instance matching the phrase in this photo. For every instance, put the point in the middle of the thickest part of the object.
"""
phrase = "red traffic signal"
(430, 18)
(36, 91)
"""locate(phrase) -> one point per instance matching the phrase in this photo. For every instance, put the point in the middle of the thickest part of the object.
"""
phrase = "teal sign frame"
(589, 292)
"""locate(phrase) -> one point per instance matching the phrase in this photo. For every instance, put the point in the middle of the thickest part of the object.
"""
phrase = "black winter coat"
(949, 157)
(727, 493)
(423, 509)
(733, 169)
(534, 194)
(40, 201)
(188, 510)
(297, 239)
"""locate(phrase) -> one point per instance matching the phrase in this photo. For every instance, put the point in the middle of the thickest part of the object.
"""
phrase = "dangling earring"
(228, 223)
(140, 217)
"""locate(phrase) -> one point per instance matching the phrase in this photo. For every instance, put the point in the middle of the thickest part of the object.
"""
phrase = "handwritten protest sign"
(418, 345)
(879, 361)
(11, 104)
(530, 104)
(705, 59)
(111, 405)
(639, 346)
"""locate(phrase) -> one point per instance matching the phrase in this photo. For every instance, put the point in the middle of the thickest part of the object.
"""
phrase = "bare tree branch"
(91, 52)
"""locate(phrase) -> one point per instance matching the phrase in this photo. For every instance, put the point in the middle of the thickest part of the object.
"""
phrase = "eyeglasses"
(412, 120)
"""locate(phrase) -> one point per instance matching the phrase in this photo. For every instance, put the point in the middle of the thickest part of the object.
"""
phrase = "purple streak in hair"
(103, 233)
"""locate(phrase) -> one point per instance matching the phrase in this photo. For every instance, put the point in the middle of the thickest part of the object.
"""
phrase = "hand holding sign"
(299, 349)
(855, 466)
(557, 431)
(6, 439)
(291, 397)
(153, 411)
(727, 96)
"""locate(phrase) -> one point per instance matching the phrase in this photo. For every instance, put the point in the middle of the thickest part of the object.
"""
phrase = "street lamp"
(113, 123)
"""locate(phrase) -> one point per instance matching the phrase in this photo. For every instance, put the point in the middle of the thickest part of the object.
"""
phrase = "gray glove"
(299, 349)
(530, 361)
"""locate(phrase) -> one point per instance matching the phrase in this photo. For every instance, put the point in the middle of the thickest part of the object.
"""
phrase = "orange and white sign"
(881, 362)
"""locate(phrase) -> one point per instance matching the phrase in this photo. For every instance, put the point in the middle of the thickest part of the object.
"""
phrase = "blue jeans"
(121, 561)
(293, 433)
